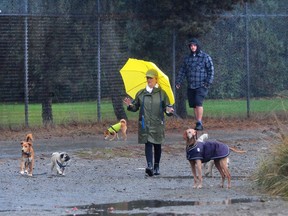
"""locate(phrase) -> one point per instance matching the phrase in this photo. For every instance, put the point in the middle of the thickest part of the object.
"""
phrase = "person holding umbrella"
(198, 69)
(152, 103)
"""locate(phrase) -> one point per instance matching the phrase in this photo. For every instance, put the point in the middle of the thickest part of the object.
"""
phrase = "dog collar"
(192, 146)
(28, 154)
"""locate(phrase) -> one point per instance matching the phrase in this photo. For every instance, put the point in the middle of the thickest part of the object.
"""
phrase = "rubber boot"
(149, 169)
(156, 169)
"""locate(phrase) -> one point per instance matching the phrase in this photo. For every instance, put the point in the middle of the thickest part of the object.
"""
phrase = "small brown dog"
(201, 152)
(27, 159)
(114, 129)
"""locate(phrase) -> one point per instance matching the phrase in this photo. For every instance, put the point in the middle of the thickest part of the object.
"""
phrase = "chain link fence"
(59, 67)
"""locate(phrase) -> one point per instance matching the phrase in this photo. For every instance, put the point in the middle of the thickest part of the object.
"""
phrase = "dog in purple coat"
(202, 152)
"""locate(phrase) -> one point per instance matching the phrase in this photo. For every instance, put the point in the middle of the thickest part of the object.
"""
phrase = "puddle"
(140, 207)
(191, 177)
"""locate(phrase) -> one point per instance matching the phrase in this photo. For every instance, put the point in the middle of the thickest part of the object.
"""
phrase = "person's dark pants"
(149, 153)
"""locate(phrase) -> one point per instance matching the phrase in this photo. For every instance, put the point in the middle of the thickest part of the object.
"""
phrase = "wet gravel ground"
(107, 178)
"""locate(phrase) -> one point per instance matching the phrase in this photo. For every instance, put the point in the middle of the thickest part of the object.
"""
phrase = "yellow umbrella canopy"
(134, 77)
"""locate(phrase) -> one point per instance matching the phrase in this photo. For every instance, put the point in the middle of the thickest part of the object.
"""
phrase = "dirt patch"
(172, 125)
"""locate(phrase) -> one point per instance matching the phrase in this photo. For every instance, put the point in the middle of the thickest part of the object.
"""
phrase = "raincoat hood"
(196, 42)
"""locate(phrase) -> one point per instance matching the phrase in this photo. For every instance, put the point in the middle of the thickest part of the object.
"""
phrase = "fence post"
(99, 64)
(247, 60)
(174, 64)
(26, 78)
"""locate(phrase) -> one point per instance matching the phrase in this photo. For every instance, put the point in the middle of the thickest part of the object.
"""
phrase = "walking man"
(198, 69)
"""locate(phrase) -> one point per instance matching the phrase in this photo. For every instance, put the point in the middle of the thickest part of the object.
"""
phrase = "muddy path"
(107, 178)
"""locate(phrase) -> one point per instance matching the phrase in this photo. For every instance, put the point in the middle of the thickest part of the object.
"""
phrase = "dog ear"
(30, 144)
(185, 135)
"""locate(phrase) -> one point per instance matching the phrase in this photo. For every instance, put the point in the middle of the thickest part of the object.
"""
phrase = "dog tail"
(237, 150)
(123, 121)
(29, 137)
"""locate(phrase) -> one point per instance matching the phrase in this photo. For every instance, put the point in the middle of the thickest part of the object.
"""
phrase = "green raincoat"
(152, 107)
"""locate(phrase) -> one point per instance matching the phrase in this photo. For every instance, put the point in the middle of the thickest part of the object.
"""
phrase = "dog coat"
(115, 128)
(206, 151)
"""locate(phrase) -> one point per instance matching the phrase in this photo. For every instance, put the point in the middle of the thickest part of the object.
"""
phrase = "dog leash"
(176, 115)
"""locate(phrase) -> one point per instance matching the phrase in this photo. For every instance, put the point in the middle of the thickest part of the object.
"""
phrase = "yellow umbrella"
(134, 77)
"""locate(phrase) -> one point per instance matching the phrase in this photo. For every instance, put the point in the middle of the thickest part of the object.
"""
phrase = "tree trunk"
(118, 107)
(111, 47)
(181, 103)
(47, 114)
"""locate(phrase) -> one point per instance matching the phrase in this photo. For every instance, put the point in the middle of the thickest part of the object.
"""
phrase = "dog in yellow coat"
(114, 129)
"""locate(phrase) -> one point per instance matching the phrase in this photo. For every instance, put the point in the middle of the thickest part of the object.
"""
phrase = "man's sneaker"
(199, 126)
